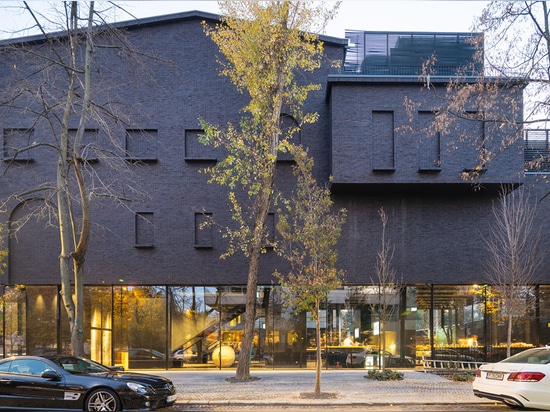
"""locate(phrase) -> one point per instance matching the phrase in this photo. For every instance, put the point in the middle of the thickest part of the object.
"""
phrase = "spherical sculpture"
(224, 356)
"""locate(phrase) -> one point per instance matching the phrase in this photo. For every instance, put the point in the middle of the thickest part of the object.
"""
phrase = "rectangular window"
(203, 230)
(471, 133)
(290, 131)
(141, 145)
(383, 141)
(270, 230)
(429, 143)
(195, 150)
(14, 140)
(145, 229)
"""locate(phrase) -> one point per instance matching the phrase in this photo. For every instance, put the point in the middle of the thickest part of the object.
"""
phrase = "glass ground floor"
(196, 326)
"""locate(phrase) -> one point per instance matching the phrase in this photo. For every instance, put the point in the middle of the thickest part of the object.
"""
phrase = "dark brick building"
(155, 280)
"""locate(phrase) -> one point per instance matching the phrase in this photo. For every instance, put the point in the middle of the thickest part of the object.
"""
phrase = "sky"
(372, 15)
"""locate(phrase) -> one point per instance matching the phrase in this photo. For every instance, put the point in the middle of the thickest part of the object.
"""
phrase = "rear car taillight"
(526, 376)
(478, 373)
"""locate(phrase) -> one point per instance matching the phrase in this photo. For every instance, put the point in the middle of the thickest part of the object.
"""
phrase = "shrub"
(463, 376)
(387, 375)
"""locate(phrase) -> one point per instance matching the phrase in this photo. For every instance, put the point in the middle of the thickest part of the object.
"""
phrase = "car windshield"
(79, 365)
(539, 355)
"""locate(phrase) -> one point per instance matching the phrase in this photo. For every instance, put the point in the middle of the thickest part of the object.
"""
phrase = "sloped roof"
(154, 21)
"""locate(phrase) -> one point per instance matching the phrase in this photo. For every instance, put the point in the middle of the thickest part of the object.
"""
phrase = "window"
(195, 150)
(429, 144)
(537, 150)
(471, 132)
(203, 230)
(141, 145)
(289, 130)
(15, 140)
(28, 367)
(270, 230)
(145, 229)
(383, 141)
(89, 144)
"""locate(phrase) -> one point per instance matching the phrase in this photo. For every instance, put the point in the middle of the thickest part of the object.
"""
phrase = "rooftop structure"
(404, 53)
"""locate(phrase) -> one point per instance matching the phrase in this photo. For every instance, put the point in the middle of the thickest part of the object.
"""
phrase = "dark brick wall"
(355, 152)
(437, 239)
(167, 92)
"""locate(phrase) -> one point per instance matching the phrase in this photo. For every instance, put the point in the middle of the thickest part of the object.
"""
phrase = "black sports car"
(69, 382)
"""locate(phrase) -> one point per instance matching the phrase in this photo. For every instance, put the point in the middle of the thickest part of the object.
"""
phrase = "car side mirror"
(117, 368)
(51, 375)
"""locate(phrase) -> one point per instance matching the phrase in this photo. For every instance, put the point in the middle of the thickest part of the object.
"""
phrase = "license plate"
(497, 376)
(171, 398)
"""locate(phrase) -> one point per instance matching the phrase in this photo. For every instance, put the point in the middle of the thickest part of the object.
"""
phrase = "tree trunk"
(382, 354)
(67, 227)
(509, 336)
(63, 207)
(317, 390)
(264, 201)
(243, 367)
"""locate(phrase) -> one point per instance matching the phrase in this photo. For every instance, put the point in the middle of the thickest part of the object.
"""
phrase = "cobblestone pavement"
(346, 387)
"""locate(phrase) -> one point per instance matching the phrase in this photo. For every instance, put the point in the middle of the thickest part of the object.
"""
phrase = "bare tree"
(54, 83)
(310, 231)
(517, 44)
(388, 286)
(514, 256)
(505, 87)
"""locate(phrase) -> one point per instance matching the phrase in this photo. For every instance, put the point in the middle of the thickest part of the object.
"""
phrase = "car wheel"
(102, 400)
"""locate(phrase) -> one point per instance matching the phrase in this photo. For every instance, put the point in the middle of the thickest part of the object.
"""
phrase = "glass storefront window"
(146, 332)
(14, 321)
(207, 326)
(450, 322)
(543, 312)
(185, 326)
(99, 323)
(524, 323)
(194, 324)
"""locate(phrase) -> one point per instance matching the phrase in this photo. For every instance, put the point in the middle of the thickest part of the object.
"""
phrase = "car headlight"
(139, 388)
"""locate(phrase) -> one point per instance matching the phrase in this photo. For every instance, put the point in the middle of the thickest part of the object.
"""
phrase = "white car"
(520, 381)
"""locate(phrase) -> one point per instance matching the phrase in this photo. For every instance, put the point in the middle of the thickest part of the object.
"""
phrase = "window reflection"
(196, 326)
(14, 321)
(98, 305)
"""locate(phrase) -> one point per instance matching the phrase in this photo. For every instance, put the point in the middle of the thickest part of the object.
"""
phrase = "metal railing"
(536, 152)
(445, 365)
(402, 70)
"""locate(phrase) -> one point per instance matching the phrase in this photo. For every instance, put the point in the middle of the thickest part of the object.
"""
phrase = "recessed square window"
(89, 144)
(141, 145)
(197, 151)
(14, 141)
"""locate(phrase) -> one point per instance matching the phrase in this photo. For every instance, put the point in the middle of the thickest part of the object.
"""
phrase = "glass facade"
(143, 327)
(405, 54)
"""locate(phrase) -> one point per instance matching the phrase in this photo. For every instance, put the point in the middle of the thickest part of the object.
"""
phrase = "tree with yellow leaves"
(265, 44)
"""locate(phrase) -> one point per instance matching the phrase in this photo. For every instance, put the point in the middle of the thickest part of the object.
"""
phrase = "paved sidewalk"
(348, 387)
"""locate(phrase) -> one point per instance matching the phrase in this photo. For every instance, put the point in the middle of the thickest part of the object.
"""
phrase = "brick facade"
(435, 219)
